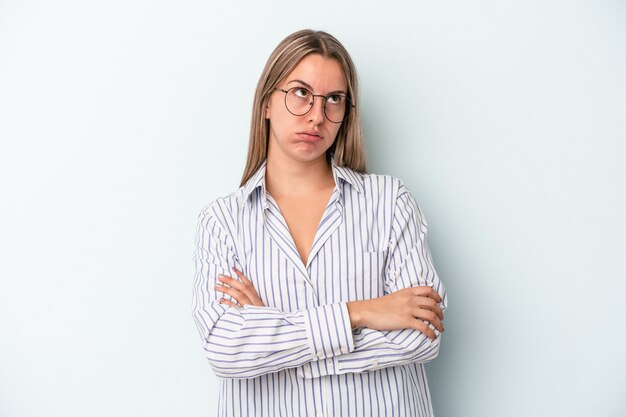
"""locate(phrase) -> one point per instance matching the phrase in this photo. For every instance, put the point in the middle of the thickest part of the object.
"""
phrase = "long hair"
(349, 147)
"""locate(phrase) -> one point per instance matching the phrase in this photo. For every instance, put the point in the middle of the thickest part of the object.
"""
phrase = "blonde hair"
(349, 147)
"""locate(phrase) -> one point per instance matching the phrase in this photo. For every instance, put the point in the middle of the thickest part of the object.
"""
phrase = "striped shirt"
(299, 356)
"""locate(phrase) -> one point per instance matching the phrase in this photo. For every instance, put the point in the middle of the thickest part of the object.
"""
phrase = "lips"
(310, 136)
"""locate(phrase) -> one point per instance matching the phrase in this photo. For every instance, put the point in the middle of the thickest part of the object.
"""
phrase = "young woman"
(315, 292)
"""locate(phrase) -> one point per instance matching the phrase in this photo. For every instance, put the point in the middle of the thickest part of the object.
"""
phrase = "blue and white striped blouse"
(299, 356)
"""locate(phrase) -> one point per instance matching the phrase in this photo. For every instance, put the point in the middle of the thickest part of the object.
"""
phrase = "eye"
(334, 99)
(301, 92)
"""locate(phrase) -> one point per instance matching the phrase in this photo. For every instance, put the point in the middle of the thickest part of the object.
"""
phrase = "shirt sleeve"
(252, 341)
(409, 264)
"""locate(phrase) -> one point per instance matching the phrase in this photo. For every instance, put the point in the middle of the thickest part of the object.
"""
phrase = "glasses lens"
(299, 101)
(335, 108)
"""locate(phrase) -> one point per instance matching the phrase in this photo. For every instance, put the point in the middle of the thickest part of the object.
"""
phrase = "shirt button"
(320, 354)
(307, 373)
(330, 364)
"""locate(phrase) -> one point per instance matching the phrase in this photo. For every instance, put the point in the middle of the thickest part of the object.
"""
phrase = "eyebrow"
(311, 88)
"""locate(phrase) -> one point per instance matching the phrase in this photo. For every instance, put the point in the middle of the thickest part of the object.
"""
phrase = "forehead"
(321, 73)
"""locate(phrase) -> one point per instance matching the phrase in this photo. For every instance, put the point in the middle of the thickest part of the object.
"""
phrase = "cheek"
(274, 111)
(280, 119)
(335, 131)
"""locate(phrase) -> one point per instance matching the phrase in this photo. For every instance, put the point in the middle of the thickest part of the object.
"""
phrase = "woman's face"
(305, 138)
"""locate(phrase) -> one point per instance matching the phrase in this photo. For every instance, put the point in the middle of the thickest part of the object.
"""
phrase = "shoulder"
(382, 186)
(379, 181)
(392, 191)
(223, 210)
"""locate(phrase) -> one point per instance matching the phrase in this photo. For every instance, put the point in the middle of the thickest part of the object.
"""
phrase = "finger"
(427, 303)
(230, 281)
(430, 317)
(248, 290)
(245, 286)
(242, 277)
(236, 294)
(228, 303)
(424, 328)
(437, 310)
(426, 291)
(430, 304)
(233, 292)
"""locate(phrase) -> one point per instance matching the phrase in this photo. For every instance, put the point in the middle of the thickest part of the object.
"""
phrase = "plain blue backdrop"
(119, 120)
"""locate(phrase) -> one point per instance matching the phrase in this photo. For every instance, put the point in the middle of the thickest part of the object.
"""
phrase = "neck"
(295, 178)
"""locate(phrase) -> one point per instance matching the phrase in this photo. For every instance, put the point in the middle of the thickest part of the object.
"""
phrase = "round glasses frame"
(349, 104)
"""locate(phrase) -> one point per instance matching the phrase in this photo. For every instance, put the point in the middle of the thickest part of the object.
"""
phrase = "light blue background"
(119, 120)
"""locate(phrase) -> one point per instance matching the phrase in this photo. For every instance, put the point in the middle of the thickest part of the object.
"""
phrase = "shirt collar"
(353, 178)
(257, 180)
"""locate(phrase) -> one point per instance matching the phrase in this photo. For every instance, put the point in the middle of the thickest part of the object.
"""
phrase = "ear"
(267, 110)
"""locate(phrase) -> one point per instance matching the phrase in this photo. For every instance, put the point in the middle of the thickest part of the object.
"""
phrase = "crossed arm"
(407, 308)
(244, 339)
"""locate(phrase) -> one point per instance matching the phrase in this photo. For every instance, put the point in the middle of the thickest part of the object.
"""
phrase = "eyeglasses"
(299, 101)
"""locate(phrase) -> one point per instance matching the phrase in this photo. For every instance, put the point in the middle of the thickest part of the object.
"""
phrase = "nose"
(316, 114)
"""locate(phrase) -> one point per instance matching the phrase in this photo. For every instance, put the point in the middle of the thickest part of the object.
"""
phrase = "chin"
(302, 157)
(309, 159)
(307, 153)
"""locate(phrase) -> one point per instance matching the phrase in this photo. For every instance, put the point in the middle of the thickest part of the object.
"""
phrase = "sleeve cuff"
(329, 331)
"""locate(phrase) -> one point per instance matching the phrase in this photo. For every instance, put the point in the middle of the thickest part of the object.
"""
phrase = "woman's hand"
(409, 308)
(242, 291)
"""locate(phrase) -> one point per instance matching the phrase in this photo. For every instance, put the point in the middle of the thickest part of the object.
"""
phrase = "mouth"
(309, 136)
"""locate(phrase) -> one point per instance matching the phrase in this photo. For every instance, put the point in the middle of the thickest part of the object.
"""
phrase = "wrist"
(356, 312)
